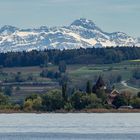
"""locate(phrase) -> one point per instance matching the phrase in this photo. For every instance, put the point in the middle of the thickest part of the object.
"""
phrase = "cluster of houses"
(111, 93)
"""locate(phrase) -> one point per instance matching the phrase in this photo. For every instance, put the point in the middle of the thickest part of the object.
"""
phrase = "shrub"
(28, 104)
(68, 106)
(37, 103)
(135, 102)
(120, 101)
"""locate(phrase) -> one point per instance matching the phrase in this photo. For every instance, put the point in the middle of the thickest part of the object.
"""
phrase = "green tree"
(76, 100)
(64, 79)
(8, 90)
(31, 97)
(28, 105)
(18, 77)
(17, 107)
(102, 95)
(37, 103)
(136, 73)
(1, 69)
(80, 100)
(120, 101)
(100, 84)
(62, 67)
(90, 101)
(64, 92)
(3, 99)
(52, 101)
(44, 73)
(30, 77)
(88, 87)
(118, 78)
(68, 106)
(135, 102)
(138, 94)
(33, 102)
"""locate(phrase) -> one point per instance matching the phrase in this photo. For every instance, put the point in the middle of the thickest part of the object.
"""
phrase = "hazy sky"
(110, 15)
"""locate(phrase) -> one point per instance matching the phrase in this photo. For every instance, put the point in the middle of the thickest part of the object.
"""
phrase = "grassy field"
(137, 60)
(78, 75)
(124, 69)
(90, 72)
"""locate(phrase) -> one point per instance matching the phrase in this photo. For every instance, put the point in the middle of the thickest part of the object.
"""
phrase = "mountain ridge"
(81, 33)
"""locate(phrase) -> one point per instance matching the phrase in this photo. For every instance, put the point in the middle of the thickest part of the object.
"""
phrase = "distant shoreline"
(75, 111)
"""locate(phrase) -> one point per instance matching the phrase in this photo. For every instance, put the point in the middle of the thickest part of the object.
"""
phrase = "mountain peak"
(82, 33)
(7, 29)
(84, 23)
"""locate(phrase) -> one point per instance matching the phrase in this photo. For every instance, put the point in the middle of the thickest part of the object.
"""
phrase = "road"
(124, 83)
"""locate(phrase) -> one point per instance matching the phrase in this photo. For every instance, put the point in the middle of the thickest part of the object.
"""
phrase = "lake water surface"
(80, 126)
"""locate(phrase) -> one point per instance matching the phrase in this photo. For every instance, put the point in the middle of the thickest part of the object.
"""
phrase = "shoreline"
(73, 111)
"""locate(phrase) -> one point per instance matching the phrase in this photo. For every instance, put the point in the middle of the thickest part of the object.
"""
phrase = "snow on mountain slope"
(81, 33)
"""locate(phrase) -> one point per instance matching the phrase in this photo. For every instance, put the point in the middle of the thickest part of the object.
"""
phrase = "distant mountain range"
(82, 33)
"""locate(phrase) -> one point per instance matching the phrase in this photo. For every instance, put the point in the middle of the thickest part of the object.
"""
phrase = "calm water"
(70, 126)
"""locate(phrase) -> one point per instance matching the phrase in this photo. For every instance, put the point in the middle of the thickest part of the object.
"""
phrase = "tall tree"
(64, 92)
(88, 87)
(62, 66)
(100, 84)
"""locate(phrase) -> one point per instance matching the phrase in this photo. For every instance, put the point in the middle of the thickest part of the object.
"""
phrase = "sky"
(109, 15)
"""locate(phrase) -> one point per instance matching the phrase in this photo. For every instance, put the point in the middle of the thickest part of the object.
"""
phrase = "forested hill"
(75, 56)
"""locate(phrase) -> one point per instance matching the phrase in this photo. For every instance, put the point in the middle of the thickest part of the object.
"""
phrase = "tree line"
(74, 56)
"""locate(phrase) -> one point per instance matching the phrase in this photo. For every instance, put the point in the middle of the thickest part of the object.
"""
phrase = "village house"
(111, 96)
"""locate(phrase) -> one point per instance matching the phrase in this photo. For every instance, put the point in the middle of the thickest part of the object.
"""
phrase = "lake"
(71, 126)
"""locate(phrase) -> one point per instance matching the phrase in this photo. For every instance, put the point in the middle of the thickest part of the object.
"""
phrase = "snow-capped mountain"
(81, 33)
